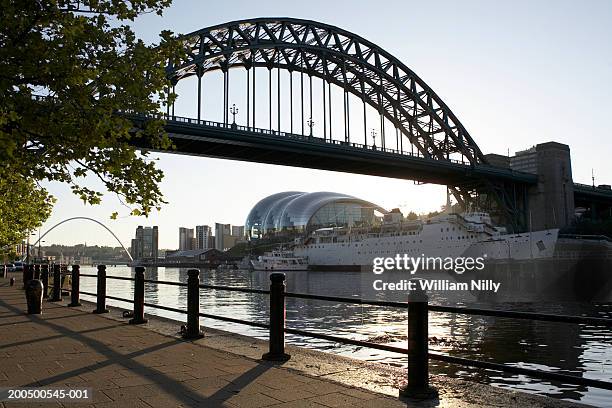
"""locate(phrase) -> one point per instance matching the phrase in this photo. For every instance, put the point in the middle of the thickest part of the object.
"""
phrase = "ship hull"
(537, 266)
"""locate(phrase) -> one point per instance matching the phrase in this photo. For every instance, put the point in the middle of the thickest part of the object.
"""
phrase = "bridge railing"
(295, 136)
(418, 310)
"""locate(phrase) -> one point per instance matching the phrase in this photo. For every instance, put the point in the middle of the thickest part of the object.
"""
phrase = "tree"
(25, 206)
(89, 65)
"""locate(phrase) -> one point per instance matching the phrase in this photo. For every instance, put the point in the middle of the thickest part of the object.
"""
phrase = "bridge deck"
(213, 139)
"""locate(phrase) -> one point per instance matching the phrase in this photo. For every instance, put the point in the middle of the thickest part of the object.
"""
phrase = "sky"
(516, 74)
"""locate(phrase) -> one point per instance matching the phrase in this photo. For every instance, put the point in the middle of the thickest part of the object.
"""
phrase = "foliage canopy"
(88, 64)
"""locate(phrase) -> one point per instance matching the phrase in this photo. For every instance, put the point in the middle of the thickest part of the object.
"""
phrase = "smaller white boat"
(280, 261)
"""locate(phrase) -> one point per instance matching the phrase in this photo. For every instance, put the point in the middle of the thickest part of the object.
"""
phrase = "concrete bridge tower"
(551, 200)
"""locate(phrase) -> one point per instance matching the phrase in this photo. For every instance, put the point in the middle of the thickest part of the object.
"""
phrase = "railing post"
(101, 291)
(139, 297)
(277, 319)
(74, 293)
(418, 337)
(57, 284)
(193, 305)
(24, 275)
(44, 277)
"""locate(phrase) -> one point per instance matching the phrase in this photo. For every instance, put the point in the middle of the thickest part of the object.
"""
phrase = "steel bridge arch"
(339, 57)
(87, 219)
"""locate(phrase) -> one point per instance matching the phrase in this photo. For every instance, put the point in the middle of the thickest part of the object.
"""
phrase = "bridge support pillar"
(551, 201)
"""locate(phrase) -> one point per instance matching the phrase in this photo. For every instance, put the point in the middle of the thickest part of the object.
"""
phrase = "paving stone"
(336, 399)
(119, 394)
(255, 400)
(290, 395)
(124, 403)
(300, 404)
(321, 387)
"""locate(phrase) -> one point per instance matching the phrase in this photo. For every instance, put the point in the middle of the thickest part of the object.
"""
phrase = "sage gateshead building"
(298, 213)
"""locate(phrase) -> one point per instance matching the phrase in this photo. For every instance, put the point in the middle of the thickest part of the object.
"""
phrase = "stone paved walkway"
(130, 366)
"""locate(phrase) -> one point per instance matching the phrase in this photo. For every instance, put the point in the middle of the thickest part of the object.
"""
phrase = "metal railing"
(288, 135)
(417, 306)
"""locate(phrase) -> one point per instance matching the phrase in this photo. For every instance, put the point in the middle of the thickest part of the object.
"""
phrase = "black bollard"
(57, 284)
(139, 297)
(74, 292)
(101, 291)
(193, 305)
(277, 319)
(418, 349)
(34, 294)
(44, 277)
(12, 281)
(36, 271)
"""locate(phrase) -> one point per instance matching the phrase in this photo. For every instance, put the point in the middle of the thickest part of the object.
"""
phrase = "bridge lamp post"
(310, 124)
(233, 111)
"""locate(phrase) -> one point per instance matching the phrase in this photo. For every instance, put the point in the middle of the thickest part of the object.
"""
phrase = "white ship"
(531, 266)
(280, 261)
(446, 235)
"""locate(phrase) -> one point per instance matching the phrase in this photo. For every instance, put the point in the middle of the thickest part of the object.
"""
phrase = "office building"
(186, 239)
(222, 231)
(145, 244)
(204, 237)
(238, 232)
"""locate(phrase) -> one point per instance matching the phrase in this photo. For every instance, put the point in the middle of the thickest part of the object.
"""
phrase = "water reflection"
(579, 350)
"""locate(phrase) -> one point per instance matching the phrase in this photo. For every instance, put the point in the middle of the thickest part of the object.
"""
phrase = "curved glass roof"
(294, 210)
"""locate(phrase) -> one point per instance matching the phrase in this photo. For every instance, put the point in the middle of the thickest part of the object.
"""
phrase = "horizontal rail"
(202, 286)
(233, 320)
(353, 300)
(235, 289)
(176, 310)
(169, 309)
(119, 299)
(598, 321)
(165, 282)
(123, 278)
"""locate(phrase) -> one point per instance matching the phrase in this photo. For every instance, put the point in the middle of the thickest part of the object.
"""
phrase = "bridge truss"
(421, 122)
